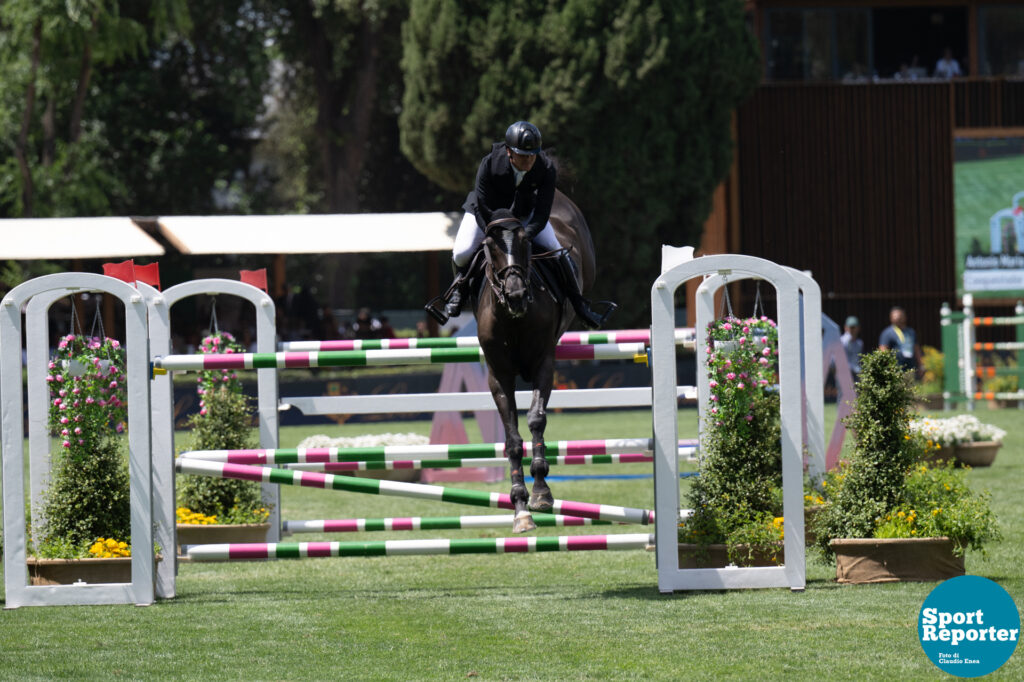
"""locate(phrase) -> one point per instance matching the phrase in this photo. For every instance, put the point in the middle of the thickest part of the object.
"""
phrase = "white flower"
(964, 428)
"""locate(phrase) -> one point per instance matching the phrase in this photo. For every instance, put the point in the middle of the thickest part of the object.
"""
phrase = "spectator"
(853, 345)
(366, 326)
(947, 67)
(902, 340)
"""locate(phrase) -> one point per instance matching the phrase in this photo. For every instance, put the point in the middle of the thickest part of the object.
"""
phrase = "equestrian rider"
(516, 175)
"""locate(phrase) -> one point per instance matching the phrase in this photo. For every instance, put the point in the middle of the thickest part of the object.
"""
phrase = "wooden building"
(851, 176)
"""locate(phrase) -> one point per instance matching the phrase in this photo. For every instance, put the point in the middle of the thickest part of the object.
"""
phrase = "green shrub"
(224, 422)
(737, 497)
(883, 491)
(88, 494)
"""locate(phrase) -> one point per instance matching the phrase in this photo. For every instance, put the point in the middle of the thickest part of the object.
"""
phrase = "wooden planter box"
(980, 454)
(870, 560)
(87, 571)
(217, 533)
(717, 556)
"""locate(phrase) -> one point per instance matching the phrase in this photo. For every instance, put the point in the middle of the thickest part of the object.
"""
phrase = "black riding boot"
(590, 319)
(453, 308)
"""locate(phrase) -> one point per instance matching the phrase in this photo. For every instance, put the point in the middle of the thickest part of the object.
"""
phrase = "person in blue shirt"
(901, 339)
(853, 345)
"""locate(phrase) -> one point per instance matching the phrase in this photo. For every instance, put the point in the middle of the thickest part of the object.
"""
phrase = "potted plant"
(888, 516)
(963, 438)
(87, 500)
(220, 509)
(737, 499)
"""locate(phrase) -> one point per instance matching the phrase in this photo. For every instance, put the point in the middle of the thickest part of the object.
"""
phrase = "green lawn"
(545, 616)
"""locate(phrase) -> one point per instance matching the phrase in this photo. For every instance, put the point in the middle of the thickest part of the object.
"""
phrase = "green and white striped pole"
(369, 486)
(520, 545)
(430, 523)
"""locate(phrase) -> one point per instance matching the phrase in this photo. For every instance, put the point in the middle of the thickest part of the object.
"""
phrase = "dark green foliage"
(635, 98)
(884, 451)
(87, 498)
(224, 422)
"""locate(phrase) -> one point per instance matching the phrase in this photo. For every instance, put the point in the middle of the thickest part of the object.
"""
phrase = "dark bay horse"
(518, 324)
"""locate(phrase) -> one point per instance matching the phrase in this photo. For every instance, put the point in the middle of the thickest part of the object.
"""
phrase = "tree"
(635, 98)
(49, 52)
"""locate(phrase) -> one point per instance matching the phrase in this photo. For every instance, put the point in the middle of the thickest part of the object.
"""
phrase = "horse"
(519, 321)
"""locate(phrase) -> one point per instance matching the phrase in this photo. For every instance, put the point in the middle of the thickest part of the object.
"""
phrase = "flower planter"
(717, 556)
(73, 571)
(217, 533)
(980, 454)
(888, 560)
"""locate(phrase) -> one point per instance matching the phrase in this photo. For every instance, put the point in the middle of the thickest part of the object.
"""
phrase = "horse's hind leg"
(541, 500)
(504, 395)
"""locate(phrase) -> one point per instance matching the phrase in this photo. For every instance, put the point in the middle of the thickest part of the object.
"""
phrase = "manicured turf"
(540, 617)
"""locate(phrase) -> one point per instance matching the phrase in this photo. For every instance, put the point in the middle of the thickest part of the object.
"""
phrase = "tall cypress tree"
(634, 98)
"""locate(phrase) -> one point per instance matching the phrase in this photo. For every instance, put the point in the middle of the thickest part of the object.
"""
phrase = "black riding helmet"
(523, 137)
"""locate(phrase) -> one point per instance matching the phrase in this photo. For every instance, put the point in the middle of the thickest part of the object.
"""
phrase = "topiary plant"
(88, 494)
(224, 422)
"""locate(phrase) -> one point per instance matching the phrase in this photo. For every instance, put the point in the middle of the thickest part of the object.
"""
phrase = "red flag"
(148, 274)
(124, 271)
(257, 278)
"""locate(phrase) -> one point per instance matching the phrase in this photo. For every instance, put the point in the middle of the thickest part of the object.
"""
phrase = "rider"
(516, 175)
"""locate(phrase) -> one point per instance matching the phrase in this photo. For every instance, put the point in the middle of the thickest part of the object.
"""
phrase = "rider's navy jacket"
(496, 188)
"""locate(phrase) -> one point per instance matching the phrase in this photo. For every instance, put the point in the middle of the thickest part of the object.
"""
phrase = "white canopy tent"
(66, 238)
(337, 233)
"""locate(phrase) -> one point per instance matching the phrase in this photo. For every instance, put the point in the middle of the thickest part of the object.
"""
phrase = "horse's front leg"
(541, 499)
(503, 391)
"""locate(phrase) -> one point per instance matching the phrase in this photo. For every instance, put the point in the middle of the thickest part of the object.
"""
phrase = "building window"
(817, 44)
(1001, 40)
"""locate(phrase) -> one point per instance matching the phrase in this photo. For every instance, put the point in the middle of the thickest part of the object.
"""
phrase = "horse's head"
(508, 258)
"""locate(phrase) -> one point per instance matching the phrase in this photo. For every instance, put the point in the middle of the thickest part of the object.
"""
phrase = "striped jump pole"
(998, 321)
(430, 523)
(371, 486)
(684, 337)
(390, 465)
(989, 395)
(376, 358)
(520, 545)
(999, 345)
(383, 453)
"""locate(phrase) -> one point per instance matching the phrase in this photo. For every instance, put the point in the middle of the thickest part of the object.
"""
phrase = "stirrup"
(598, 319)
(435, 309)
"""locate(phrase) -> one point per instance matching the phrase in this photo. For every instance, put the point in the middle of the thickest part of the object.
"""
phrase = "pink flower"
(764, 340)
(78, 430)
(743, 375)
(114, 343)
(113, 384)
(727, 326)
(743, 340)
(59, 378)
(89, 400)
(763, 361)
(63, 420)
(712, 383)
(81, 442)
(762, 382)
(746, 330)
(52, 365)
(714, 410)
(65, 432)
(730, 376)
(741, 385)
(728, 362)
(714, 398)
(203, 411)
(66, 444)
(749, 417)
(49, 377)
(766, 351)
(56, 401)
(76, 391)
(120, 427)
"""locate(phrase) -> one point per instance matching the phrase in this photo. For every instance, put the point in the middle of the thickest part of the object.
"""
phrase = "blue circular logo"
(968, 626)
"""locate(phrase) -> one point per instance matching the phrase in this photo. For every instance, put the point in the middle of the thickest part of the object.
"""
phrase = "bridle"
(498, 278)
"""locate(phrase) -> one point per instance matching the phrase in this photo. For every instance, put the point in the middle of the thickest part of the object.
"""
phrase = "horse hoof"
(542, 502)
(523, 523)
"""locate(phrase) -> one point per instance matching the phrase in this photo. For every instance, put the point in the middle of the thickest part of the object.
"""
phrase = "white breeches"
(469, 237)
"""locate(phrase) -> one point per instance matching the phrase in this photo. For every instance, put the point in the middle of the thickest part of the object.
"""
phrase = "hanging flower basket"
(977, 454)
(90, 571)
(870, 560)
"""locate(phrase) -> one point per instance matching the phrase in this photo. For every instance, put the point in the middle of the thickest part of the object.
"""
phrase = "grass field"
(538, 617)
